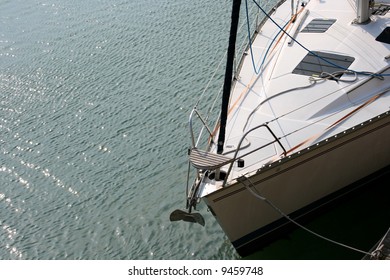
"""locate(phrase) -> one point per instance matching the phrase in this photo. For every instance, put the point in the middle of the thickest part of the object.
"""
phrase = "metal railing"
(195, 144)
(277, 140)
(235, 157)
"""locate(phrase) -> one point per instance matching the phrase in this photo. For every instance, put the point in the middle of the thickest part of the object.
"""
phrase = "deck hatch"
(318, 25)
(384, 37)
(311, 64)
(381, 10)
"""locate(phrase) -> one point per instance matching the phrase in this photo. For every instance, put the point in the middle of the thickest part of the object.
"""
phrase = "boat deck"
(308, 116)
(300, 110)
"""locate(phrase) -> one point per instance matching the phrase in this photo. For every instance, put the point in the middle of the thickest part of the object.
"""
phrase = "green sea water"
(94, 101)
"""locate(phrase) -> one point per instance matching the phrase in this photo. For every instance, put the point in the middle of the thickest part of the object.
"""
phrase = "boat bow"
(308, 113)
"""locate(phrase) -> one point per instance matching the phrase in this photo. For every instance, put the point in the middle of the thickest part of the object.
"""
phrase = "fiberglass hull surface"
(299, 184)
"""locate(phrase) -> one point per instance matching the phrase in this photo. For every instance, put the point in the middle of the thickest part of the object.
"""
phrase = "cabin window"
(384, 37)
(312, 64)
(318, 25)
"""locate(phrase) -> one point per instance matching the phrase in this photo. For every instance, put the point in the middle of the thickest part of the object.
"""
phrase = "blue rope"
(312, 53)
(250, 41)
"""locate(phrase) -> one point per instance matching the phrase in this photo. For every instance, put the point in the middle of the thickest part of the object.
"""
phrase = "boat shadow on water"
(358, 219)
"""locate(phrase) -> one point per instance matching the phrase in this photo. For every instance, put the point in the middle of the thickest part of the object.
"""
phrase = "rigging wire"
(312, 83)
(380, 76)
(218, 67)
(217, 96)
(250, 41)
(313, 80)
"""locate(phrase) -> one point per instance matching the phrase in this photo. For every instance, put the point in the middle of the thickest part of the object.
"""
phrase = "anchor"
(180, 215)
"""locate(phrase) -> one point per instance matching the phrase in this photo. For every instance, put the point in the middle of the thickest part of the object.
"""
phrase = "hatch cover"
(318, 25)
(315, 63)
(384, 37)
(381, 9)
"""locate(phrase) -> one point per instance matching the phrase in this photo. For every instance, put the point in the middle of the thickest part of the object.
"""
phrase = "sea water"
(94, 101)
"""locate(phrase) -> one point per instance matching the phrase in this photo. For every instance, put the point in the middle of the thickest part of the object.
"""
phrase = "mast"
(363, 11)
(228, 73)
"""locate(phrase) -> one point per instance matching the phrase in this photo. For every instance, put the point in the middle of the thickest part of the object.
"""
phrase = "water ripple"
(94, 98)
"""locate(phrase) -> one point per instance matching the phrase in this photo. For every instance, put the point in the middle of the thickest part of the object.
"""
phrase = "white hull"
(308, 116)
(299, 181)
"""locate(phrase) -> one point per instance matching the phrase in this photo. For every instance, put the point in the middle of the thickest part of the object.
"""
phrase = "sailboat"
(304, 117)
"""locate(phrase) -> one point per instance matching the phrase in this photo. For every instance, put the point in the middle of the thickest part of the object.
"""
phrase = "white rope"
(296, 223)
(335, 76)
(376, 254)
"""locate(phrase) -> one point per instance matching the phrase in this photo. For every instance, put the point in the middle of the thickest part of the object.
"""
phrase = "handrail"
(191, 129)
(255, 150)
(239, 63)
